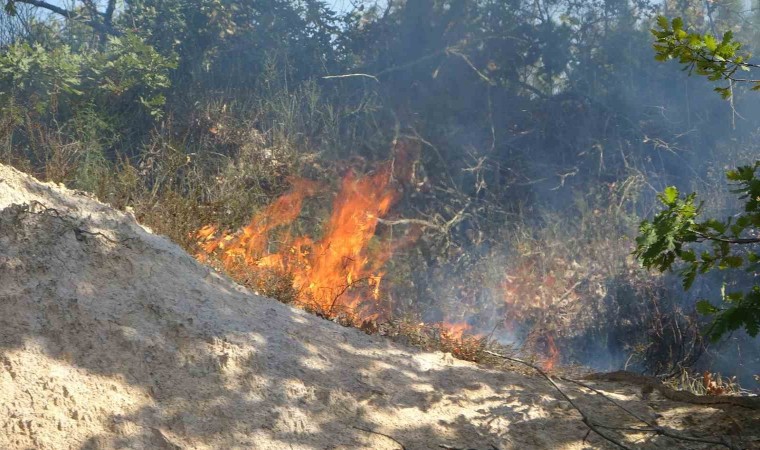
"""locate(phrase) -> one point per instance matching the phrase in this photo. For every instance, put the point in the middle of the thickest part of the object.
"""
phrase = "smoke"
(516, 146)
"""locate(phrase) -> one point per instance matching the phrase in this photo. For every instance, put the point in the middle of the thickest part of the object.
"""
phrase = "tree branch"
(593, 426)
(110, 9)
(106, 28)
(743, 241)
(367, 430)
(585, 419)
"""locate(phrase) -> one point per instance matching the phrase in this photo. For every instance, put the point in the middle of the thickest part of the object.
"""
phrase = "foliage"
(198, 112)
(128, 68)
(672, 236)
(703, 54)
(31, 74)
(133, 69)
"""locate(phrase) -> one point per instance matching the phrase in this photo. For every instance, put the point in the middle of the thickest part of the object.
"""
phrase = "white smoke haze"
(478, 164)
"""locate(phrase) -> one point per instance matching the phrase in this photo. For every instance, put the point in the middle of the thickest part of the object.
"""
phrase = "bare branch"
(586, 420)
(728, 240)
(367, 430)
(110, 9)
(593, 426)
(72, 15)
(351, 75)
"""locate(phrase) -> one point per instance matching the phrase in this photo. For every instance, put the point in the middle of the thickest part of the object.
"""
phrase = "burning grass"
(455, 338)
(339, 271)
(338, 276)
(707, 383)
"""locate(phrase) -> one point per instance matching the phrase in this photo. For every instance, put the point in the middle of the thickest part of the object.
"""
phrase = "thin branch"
(472, 66)
(585, 419)
(351, 75)
(744, 80)
(743, 241)
(50, 7)
(421, 222)
(416, 136)
(651, 427)
(71, 15)
(367, 430)
(413, 63)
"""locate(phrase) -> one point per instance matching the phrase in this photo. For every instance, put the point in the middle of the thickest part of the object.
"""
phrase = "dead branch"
(351, 75)
(672, 394)
(421, 222)
(37, 208)
(593, 426)
(448, 447)
(367, 430)
(586, 420)
(472, 66)
(444, 228)
(103, 27)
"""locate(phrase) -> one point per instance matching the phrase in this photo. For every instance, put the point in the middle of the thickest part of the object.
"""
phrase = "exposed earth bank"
(113, 337)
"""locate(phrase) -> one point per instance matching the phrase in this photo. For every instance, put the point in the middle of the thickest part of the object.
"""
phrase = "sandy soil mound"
(112, 337)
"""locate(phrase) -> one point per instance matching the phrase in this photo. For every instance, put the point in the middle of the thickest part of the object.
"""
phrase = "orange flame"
(455, 331)
(341, 273)
(537, 292)
(552, 354)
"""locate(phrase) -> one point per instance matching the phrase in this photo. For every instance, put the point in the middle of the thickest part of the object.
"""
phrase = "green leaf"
(663, 23)
(731, 262)
(677, 24)
(669, 195)
(710, 42)
(706, 308)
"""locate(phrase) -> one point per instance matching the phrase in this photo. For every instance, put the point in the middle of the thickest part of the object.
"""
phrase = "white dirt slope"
(113, 337)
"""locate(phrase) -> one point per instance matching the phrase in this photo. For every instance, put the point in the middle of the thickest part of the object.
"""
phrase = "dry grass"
(705, 384)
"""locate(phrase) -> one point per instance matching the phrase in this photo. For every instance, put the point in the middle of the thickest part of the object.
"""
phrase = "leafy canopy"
(703, 54)
(675, 237)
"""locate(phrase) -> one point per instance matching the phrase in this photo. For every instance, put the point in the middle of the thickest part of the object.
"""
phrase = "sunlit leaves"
(661, 242)
(34, 74)
(128, 67)
(703, 54)
(671, 239)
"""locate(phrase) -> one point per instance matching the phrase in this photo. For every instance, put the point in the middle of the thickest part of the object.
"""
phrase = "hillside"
(113, 337)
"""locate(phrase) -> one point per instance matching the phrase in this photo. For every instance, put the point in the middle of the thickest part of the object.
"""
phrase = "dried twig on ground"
(672, 394)
(595, 427)
(586, 420)
(367, 430)
(80, 233)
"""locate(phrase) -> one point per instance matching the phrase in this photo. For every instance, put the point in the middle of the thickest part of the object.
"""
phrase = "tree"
(88, 13)
(675, 235)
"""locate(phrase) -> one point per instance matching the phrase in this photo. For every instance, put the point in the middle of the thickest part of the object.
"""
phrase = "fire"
(455, 331)
(552, 354)
(535, 295)
(339, 274)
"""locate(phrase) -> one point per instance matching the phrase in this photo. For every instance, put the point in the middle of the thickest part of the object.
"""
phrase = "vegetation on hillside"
(523, 142)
